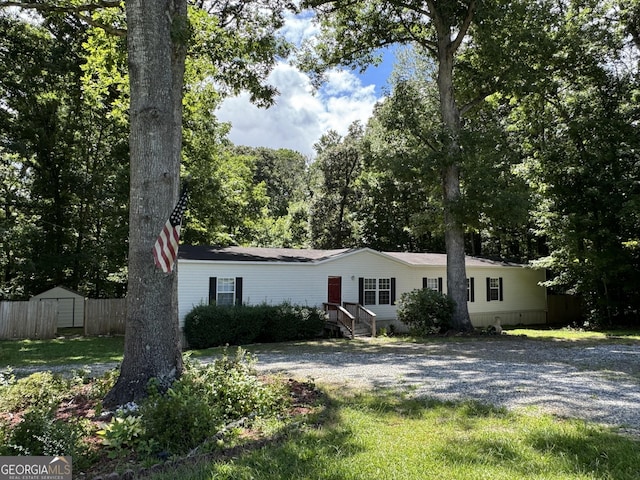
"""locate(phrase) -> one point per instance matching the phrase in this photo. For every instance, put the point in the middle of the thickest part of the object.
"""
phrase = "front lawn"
(383, 434)
(61, 351)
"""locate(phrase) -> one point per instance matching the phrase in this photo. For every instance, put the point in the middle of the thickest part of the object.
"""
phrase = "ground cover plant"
(208, 408)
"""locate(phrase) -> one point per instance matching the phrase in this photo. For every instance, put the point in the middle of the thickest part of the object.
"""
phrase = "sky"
(301, 115)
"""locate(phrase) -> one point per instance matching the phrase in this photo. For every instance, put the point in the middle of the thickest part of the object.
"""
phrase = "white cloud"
(300, 115)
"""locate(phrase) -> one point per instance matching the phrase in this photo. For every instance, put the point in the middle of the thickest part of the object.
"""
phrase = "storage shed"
(70, 306)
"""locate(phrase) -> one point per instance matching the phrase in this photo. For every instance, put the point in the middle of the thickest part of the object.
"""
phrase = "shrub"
(211, 325)
(203, 400)
(425, 311)
(41, 390)
(39, 433)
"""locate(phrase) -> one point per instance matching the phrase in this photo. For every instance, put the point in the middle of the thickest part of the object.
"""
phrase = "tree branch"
(476, 101)
(79, 11)
(465, 26)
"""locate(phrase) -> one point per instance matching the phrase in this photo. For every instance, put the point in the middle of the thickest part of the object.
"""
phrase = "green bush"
(425, 311)
(211, 325)
(203, 400)
(41, 390)
(39, 433)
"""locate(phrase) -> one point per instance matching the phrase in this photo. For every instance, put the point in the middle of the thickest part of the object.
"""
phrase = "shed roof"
(298, 255)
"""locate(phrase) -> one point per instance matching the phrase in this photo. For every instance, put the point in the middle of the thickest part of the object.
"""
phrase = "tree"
(70, 158)
(158, 36)
(452, 31)
(579, 131)
(336, 169)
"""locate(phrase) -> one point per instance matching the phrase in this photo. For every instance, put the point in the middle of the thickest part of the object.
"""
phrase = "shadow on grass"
(74, 351)
(386, 434)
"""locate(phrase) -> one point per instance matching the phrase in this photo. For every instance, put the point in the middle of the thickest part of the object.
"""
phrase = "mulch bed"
(305, 399)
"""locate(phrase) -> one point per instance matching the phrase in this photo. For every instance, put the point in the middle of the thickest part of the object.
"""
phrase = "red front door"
(335, 290)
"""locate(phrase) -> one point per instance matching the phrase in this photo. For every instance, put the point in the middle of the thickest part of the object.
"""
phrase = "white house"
(496, 290)
(70, 306)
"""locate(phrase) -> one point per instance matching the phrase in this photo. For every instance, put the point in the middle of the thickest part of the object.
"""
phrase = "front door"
(335, 290)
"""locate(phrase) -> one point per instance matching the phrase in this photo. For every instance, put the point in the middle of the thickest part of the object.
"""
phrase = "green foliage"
(425, 311)
(41, 390)
(335, 191)
(39, 433)
(203, 400)
(125, 434)
(211, 325)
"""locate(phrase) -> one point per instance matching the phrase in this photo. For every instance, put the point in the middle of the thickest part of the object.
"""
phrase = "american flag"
(165, 250)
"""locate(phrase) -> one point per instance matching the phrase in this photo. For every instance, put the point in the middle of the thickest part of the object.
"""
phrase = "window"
(470, 290)
(494, 289)
(225, 290)
(377, 291)
(431, 284)
(384, 291)
(226, 293)
(370, 291)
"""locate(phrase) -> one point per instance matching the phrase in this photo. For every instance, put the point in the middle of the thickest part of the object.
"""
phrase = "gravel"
(599, 383)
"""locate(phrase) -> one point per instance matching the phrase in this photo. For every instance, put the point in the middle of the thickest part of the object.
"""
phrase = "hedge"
(210, 325)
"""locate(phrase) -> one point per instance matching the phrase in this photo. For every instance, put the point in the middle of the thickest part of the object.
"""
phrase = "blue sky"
(301, 115)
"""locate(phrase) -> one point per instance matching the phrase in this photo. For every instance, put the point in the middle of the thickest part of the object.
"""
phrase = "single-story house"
(70, 306)
(509, 292)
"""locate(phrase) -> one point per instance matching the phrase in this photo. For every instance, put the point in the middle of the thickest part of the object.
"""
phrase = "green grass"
(74, 351)
(385, 435)
(576, 335)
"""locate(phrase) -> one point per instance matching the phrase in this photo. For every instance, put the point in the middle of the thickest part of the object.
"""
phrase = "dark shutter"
(440, 284)
(424, 282)
(472, 292)
(213, 288)
(500, 294)
(393, 291)
(488, 289)
(238, 291)
(361, 291)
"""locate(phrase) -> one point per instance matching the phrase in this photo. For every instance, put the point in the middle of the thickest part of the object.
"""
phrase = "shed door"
(335, 290)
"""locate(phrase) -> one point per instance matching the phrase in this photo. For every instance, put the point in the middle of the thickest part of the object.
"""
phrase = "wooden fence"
(563, 309)
(38, 319)
(35, 320)
(104, 316)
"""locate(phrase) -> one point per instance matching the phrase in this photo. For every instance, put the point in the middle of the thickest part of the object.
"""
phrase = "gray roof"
(256, 254)
(298, 255)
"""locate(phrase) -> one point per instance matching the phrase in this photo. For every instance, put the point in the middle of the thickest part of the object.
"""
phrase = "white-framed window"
(384, 291)
(377, 291)
(470, 290)
(494, 289)
(432, 284)
(370, 291)
(226, 291)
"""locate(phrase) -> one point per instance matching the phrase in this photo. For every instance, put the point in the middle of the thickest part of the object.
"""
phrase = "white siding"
(306, 284)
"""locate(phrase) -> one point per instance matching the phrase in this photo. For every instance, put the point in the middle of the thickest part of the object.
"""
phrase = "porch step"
(360, 331)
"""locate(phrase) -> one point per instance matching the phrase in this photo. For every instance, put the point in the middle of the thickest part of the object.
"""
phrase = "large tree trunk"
(454, 231)
(156, 32)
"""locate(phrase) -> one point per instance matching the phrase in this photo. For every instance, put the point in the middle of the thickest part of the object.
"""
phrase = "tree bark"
(454, 231)
(156, 32)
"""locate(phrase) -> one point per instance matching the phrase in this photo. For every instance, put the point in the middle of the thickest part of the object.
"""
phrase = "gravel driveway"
(600, 383)
(596, 382)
